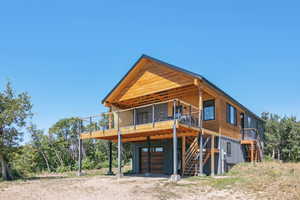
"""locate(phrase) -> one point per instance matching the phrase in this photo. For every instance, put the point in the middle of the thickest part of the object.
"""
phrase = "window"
(144, 149)
(143, 117)
(159, 149)
(231, 115)
(249, 122)
(228, 149)
(209, 110)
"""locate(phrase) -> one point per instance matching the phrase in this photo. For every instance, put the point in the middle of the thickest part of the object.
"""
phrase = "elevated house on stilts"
(177, 123)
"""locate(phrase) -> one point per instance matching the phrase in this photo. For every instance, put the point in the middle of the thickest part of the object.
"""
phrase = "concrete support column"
(79, 155)
(220, 156)
(119, 174)
(175, 177)
(149, 156)
(110, 172)
(200, 142)
(212, 156)
(183, 152)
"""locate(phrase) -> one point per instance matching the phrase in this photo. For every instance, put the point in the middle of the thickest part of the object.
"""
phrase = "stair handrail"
(194, 153)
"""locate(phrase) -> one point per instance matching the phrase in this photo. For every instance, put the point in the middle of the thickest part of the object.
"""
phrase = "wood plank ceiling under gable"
(151, 82)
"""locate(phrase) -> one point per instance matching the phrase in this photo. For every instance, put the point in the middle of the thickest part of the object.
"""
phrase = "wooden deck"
(157, 131)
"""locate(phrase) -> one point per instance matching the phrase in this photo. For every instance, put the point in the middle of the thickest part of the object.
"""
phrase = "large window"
(209, 110)
(231, 115)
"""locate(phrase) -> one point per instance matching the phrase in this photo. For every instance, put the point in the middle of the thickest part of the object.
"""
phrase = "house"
(177, 122)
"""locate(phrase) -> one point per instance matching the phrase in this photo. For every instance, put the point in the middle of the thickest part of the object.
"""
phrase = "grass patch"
(226, 182)
(166, 191)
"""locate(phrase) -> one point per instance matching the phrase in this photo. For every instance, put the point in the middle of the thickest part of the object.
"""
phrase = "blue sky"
(69, 54)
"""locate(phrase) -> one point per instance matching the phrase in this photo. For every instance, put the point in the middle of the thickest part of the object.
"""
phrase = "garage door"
(156, 160)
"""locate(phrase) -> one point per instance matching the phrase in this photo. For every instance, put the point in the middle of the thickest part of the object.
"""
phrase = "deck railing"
(148, 114)
(250, 134)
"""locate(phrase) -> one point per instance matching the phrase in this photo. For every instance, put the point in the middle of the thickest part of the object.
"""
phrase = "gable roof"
(184, 71)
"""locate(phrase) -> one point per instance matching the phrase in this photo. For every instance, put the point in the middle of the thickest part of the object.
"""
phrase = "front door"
(156, 161)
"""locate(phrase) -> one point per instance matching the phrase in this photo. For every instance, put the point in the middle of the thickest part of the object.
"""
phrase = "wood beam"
(252, 152)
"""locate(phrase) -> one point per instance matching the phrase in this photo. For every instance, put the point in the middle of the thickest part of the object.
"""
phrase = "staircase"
(252, 145)
(191, 167)
(256, 148)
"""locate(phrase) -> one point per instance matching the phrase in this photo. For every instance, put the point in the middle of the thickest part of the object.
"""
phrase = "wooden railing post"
(90, 125)
(134, 118)
(118, 116)
(200, 108)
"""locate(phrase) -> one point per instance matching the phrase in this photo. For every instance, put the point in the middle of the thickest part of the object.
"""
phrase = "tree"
(282, 137)
(14, 110)
(40, 142)
(64, 141)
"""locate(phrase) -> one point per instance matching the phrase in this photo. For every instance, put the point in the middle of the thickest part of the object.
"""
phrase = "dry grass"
(268, 180)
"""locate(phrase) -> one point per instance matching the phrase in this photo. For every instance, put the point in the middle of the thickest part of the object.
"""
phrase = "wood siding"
(153, 78)
(150, 82)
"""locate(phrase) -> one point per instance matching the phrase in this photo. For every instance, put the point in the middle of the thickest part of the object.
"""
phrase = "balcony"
(249, 134)
(136, 124)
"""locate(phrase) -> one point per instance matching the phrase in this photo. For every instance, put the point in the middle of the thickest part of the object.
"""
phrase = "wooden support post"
(256, 155)
(200, 143)
(79, 155)
(149, 155)
(252, 152)
(118, 125)
(153, 115)
(183, 151)
(212, 152)
(190, 115)
(110, 172)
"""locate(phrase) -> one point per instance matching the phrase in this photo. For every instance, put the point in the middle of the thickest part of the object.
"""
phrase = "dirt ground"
(266, 180)
(104, 187)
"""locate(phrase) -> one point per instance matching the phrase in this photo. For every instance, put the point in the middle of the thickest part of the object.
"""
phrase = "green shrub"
(87, 163)
(62, 169)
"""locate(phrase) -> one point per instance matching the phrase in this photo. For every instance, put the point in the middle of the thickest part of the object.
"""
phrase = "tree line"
(57, 149)
(54, 151)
